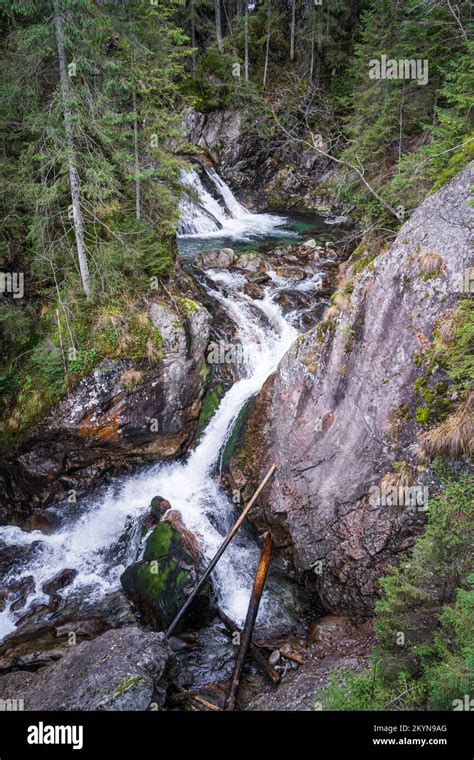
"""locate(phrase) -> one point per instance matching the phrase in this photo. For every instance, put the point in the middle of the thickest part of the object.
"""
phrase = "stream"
(100, 536)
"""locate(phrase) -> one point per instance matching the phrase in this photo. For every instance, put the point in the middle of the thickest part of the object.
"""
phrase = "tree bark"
(219, 26)
(267, 49)
(138, 205)
(193, 36)
(313, 33)
(246, 54)
(292, 30)
(247, 630)
(71, 152)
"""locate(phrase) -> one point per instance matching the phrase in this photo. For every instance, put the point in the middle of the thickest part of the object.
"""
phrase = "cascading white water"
(221, 214)
(88, 542)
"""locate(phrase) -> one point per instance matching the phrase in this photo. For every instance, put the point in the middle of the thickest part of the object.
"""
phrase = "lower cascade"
(92, 542)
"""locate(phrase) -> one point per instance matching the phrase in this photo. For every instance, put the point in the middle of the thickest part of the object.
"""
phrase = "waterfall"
(90, 541)
(219, 213)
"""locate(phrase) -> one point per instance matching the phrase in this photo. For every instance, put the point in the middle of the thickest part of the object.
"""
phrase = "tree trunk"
(219, 26)
(267, 49)
(193, 36)
(138, 207)
(292, 30)
(246, 54)
(71, 152)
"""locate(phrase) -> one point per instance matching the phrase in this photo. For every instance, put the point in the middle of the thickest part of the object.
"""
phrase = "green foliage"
(421, 128)
(459, 353)
(429, 599)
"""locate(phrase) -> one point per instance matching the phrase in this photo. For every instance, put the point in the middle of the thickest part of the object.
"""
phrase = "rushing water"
(100, 537)
(88, 542)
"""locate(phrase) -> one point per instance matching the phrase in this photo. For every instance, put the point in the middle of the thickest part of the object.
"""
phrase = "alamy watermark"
(391, 68)
(222, 352)
(467, 703)
(12, 282)
(415, 497)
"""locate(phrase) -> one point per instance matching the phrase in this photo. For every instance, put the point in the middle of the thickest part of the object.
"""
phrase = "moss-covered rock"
(160, 583)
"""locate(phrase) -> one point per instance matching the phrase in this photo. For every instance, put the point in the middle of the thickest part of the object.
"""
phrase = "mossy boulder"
(160, 583)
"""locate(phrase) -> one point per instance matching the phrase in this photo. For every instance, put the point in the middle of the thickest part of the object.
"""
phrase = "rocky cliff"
(123, 414)
(339, 417)
(265, 173)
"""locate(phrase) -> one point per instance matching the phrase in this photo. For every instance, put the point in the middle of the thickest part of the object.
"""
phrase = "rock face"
(340, 413)
(262, 175)
(124, 669)
(159, 584)
(123, 414)
(217, 258)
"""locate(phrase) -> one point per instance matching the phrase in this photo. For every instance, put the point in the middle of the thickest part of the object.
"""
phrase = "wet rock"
(107, 425)
(218, 258)
(290, 273)
(159, 584)
(341, 409)
(38, 613)
(290, 300)
(263, 176)
(259, 278)
(18, 591)
(250, 261)
(61, 580)
(124, 669)
(159, 506)
(254, 291)
(42, 522)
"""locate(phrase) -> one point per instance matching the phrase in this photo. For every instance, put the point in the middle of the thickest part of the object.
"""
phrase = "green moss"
(234, 437)
(188, 306)
(109, 329)
(126, 685)
(159, 541)
(210, 404)
(423, 415)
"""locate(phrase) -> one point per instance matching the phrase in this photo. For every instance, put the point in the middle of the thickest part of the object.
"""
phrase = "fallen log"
(260, 659)
(184, 695)
(247, 630)
(220, 552)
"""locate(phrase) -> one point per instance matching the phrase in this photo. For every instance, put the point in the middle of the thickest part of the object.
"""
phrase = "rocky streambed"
(296, 356)
(118, 559)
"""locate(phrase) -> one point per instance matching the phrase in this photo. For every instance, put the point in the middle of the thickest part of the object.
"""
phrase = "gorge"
(238, 250)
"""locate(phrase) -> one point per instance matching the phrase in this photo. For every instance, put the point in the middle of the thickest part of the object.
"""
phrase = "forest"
(290, 179)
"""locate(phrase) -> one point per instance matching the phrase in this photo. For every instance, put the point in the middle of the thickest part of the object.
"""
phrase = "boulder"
(219, 258)
(159, 506)
(290, 273)
(159, 584)
(252, 290)
(259, 278)
(61, 580)
(250, 261)
(123, 669)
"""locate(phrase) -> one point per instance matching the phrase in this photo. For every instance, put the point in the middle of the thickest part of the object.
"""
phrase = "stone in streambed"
(159, 506)
(61, 580)
(251, 261)
(290, 273)
(252, 290)
(159, 584)
(259, 278)
(218, 258)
